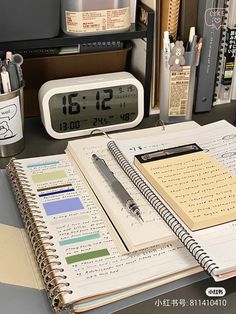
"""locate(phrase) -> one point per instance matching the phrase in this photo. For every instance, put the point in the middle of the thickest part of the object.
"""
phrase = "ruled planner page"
(90, 259)
(135, 234)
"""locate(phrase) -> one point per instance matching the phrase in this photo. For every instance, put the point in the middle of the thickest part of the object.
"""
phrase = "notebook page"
(196, 186)
(89, 257)
(219, 140)
(136, 234)
(129, 226)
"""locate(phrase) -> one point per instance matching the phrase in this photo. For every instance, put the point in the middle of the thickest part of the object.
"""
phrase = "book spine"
(188, 241)
(41, 240)
(221, 60)
(210, 29)
(173, 17)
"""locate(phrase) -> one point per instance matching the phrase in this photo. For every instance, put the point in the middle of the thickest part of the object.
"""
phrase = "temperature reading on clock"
(78, 110)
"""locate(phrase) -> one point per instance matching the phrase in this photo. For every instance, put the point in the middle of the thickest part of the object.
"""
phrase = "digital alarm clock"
(76, 106)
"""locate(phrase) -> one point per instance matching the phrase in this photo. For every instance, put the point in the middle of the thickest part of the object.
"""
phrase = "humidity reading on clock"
(94, 108)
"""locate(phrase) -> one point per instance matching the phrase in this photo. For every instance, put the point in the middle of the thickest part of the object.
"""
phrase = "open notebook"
(218, 139)
(81, 265)
(71, 234)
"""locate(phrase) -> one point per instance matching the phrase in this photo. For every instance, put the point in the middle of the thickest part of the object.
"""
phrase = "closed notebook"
(170, 17)
(196, 186)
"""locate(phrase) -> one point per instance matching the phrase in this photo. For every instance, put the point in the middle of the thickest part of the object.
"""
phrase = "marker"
(166, 47)
(193, 43)
(13, 74)
(190, 38)
(5, 80)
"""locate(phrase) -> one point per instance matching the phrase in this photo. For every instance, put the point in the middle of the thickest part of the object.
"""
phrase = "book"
(197, 187)
(225, 61)
(218, 139)
(71, 238)
(210, 29)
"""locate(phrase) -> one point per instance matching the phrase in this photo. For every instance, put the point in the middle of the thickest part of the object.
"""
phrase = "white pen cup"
(11, 123)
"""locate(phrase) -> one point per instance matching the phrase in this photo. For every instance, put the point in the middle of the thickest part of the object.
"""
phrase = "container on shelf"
(29, 19)
(85, 17)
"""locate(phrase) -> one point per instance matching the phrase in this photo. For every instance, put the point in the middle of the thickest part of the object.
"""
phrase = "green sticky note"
(49, 176)
(86, 256)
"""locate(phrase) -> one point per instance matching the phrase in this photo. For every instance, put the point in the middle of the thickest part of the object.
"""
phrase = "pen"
(11, 68)
(193, 43)
(166, 46)
(6, 85)
(172, 43)
(18, 60)
(190, 39)
(117, 187)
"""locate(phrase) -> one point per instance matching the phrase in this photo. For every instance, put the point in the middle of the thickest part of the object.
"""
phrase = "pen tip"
(141, 218)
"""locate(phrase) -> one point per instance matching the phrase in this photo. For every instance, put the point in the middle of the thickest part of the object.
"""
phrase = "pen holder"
(177, 90)
(11, 123)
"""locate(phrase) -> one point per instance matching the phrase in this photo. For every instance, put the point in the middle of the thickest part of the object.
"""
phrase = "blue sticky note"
(63, 206)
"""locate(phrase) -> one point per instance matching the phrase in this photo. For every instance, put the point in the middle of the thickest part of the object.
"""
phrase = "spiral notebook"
(218, 139)
(170, 17)
(81, 265)
(71, 235)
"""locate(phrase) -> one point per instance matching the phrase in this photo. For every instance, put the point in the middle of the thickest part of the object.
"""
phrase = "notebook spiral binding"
(220, 65)
(173, 17)
(189, 242)
(53, 275)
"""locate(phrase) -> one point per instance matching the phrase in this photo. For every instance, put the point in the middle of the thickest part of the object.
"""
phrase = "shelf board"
(136, 31)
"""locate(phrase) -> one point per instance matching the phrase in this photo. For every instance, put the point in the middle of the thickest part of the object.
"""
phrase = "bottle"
(89, 17)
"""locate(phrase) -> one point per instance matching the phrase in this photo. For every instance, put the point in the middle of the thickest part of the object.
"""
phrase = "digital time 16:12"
(71, 107)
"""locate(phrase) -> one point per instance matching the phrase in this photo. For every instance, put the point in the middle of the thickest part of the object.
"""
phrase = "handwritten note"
(85, 249)
(197, 187)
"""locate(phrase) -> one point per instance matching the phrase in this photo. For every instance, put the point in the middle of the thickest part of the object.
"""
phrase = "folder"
(224, 86)
(210, 29)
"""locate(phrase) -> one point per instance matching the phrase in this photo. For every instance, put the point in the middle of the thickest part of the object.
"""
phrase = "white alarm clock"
(76, 106)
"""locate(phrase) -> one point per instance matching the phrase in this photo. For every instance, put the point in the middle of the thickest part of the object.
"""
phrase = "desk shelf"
(136, 31)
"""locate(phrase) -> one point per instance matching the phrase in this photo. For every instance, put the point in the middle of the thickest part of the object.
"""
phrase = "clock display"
(89, 109)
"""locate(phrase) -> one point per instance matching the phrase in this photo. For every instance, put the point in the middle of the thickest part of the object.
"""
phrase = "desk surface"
(188, 295)
(38, 142)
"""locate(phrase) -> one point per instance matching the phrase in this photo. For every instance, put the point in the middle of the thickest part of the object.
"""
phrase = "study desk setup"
(189, 288)
(106, 207)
